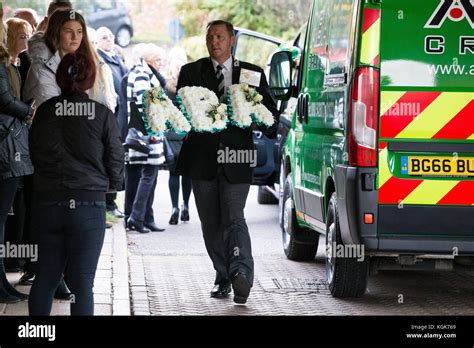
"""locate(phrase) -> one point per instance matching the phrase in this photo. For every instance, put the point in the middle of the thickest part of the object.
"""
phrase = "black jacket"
(82, 151)
(198, 156)
(14, 153)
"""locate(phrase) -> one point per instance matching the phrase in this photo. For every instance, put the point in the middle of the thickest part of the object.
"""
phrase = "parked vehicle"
(256, 48)
(112, 14)
(380, 155)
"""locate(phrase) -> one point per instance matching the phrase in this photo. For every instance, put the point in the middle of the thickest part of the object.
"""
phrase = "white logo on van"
(455, 10)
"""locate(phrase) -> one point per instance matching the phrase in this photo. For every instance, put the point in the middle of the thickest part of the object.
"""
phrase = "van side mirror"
(281, 72)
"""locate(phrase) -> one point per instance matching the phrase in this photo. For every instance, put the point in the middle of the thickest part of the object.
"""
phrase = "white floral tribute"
(161, 114)
(246, 107)
(202, 109)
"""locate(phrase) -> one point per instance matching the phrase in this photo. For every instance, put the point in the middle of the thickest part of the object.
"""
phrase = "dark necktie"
(220, 81)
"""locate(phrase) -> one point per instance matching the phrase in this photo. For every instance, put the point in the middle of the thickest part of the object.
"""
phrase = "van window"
(339, 36)
(254, 50)
(316, 60)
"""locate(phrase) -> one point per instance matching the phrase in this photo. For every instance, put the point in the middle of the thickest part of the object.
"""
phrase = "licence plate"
(437, 166)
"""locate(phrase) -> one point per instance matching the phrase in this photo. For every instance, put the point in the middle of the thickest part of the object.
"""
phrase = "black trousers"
(220, 206)
(70, 241)
(8, 189)
(15, 226)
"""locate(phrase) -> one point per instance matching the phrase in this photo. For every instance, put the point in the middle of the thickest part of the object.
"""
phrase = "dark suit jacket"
(198, 156)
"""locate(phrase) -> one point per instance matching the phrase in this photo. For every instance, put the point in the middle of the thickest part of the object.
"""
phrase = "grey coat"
(40, 82)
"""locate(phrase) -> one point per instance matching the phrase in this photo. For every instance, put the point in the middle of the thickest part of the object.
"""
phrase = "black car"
(112, 14)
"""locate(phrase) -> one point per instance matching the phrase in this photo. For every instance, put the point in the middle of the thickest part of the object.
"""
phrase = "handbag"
(169, 155)
(137, 141)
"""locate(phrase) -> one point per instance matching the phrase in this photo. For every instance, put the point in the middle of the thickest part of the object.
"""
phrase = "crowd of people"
(59, 175)
(43, 63)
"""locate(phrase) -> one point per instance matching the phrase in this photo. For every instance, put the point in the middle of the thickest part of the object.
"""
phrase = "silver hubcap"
(330, 261)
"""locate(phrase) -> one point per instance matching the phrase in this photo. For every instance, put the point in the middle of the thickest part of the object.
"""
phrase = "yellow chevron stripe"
(471, 137)
(370, 43)
(430, 192)
(384, 170)
(388, 99)
(436, 115)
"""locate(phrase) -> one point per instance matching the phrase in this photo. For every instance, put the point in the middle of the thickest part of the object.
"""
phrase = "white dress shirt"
(226, 71)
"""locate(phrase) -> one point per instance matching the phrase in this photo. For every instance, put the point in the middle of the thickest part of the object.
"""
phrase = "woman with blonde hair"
(14, 153)
(177, 57)
(18, 33)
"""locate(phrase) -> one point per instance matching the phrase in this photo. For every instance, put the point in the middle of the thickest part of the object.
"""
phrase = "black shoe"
(154, 227)
(185, 214)
(18, 294)
(62, 292)
(125, 223)
(9, 299)
(7, 290)
(27, 278)
(136, 226)
(174, 217)
(117, 213)
(221, 290)
(241, 287)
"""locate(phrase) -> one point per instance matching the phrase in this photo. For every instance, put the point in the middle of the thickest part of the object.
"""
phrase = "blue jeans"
(70, 241)
(140, 183)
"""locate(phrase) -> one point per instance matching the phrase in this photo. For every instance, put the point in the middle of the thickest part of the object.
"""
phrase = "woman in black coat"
(78, 157)
(14, 160)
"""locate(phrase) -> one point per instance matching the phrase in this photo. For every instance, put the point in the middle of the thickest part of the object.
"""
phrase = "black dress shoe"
(9, 299)
(27, 278)
(221, 290)
(62, 292)
(18, 294)
(174, 217)
(154, 227)
(241, 287)
(136, 226)
(185, 214)
(117, 213)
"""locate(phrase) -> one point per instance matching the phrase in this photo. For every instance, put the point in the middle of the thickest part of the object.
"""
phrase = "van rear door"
(426, 126)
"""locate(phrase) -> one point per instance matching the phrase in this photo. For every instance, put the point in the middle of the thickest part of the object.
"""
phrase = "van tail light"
(363, 115)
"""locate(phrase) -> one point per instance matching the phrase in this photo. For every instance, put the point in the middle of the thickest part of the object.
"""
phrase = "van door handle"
(305, 109)
(300, 108)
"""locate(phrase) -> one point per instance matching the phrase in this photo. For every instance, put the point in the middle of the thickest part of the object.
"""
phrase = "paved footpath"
(111, 285)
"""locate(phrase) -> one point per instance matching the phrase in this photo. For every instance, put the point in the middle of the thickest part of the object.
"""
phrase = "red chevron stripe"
(411, 104)
(395, 190)
(370, 17)
(461, 194)
(461, 126)
(382, 145)
(375, 62)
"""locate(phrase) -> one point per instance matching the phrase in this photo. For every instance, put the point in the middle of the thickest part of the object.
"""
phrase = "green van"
(380, 155)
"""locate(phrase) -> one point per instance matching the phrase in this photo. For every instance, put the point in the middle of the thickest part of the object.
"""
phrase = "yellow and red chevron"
(437, 115)
(426, 115)
(370, 47)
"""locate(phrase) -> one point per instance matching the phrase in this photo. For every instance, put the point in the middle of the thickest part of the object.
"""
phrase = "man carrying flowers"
(221, 188)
